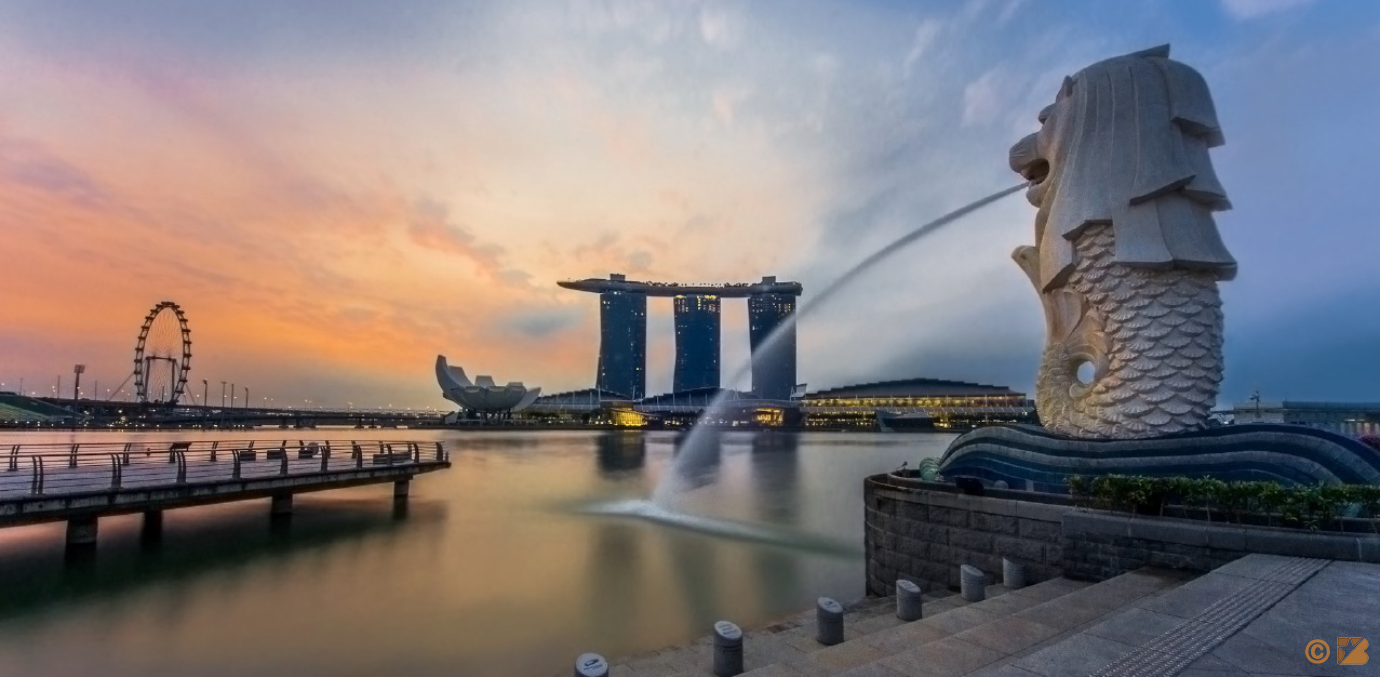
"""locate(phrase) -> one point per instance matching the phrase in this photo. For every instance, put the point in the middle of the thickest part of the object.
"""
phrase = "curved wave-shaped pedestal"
(1028, 457)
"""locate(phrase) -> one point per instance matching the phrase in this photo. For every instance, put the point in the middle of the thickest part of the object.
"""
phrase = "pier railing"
(80, 467)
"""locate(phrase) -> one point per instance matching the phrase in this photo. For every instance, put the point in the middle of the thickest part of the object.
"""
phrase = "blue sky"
(337, 191)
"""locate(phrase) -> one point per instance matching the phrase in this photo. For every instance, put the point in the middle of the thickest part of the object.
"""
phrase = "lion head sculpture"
(1126, 144)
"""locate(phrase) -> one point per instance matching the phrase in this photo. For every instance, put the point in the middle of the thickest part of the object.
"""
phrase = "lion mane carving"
(1127, 256)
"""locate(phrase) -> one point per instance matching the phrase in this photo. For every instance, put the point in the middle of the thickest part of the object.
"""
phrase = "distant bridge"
(112, 412)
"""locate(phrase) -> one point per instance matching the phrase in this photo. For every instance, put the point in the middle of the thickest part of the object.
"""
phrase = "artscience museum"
(482, 398)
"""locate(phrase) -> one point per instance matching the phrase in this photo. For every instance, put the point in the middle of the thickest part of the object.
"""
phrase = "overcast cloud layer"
(338, 191)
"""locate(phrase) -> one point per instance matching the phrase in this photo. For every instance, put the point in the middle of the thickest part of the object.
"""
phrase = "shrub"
(1309, 507)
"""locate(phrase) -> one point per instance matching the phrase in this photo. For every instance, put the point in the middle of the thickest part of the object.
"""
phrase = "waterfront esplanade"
(623, 332)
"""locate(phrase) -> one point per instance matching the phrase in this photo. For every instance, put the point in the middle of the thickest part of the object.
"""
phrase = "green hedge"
(1310, 507)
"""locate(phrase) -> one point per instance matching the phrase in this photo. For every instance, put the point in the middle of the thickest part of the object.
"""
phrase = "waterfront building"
(623, 342)
(1352, 419)
(916, 404)
(483, 397)
(623, 332)
(773, 365)
(697, 342)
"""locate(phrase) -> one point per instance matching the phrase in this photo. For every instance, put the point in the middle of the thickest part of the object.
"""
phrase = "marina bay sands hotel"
(623, 333)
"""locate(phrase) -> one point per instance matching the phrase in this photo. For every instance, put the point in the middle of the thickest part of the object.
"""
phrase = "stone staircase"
(954, 638)
(1251, 617)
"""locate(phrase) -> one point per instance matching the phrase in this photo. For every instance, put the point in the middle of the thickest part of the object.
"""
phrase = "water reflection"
(775, 465)
(621, 451)
(487, 572)
(39, 573)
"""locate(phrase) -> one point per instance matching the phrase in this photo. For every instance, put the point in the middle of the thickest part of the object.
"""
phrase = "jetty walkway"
(82, 482)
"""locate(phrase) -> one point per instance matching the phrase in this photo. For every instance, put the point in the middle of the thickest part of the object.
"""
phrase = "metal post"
(1012, 573)
(14, 458)
(972, 583)
(591, 665)
(728, 649)
(401, 488)
(235, 453)
(124, 455)
(36, 487)
(283, 465)
(828, 622)
(909, 605)
(115, 472)
(282, 505)
(72, 456)
(181, 467)
(214, 445)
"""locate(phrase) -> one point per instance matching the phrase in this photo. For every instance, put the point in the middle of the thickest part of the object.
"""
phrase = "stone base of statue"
(1029, 457)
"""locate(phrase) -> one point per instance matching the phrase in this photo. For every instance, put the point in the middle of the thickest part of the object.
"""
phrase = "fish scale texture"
(1154, 337)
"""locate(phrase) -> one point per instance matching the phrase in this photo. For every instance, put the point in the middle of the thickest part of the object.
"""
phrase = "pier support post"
(153, 526)
(282, 505)
(81, 532)
(908, 601)
(728, 649)
(401, 489)
(828, 622)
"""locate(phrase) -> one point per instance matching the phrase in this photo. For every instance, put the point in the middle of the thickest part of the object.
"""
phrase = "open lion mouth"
(1036, 172)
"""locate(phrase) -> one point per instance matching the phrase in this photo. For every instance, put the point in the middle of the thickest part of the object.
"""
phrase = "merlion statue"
(1127, 256)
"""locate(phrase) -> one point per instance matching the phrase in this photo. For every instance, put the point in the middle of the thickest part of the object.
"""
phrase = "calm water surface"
(492, 569)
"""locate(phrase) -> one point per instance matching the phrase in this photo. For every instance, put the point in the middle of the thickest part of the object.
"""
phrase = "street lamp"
(232, 395)
(246, 397)
(222, 394)
(205, 388)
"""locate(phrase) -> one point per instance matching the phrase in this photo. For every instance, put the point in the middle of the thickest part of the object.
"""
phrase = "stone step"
(980, 636)
(873, 635)
(1164, 634)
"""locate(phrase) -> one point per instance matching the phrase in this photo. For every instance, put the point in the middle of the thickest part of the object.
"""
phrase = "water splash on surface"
(649, 511)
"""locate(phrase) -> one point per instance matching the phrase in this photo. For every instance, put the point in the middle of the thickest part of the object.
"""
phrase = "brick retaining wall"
(923, 531)
(1099, 545)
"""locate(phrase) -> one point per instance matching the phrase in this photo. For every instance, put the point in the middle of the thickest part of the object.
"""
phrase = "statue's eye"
(1065, 89)
(1044, 114)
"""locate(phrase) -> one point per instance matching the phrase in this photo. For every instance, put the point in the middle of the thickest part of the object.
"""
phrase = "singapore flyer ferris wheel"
(163, 355)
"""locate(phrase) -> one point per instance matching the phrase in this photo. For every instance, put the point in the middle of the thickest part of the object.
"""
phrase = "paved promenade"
(1254, 616)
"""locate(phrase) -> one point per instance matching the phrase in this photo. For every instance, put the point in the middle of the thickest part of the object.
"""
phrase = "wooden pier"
(82, 482)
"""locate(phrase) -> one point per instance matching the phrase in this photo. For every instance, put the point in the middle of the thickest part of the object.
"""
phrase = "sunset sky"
(336, 191)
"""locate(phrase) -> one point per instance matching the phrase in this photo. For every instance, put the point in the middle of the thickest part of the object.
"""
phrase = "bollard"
(728, 649)
(591, 665)
(908, 603)
(972, 583)
(1012, 573)
(828, 622)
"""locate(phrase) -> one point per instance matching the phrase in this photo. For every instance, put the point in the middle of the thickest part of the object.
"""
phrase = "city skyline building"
(698, 316)
(698, 327)
(773, 364)
(623, 342)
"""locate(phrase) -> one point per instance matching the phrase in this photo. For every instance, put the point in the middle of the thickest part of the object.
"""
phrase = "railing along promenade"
(81, 482)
